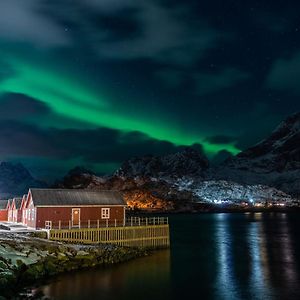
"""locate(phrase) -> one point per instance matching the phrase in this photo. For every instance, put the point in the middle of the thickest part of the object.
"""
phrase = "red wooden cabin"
(16, 210)
(9, 211)
(4, 205)
(47, 208)
(23, 205)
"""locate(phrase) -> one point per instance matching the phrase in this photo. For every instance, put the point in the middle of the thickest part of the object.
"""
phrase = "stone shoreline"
(25, 260)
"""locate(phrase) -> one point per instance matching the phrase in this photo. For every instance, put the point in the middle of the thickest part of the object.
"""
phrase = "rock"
(19, 270)
(69, 254)
(39, 234)
(82, 253)
(33, 257)
(3, 266)
(62, 249)
(33, 273)
(62, 256)
(7, 278)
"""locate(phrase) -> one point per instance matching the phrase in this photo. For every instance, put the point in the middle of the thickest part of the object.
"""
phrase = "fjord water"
(212, 256)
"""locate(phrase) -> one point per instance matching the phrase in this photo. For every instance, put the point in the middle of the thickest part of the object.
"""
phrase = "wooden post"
(89, 223)
(106, 222)
(131, 221)
(115, 222)
(98, 224)
(70, 225)
(146, 221)
(59, 225)
(124, 221)
(139, 221)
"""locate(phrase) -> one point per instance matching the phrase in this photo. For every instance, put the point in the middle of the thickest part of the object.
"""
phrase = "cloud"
(284, 74)
(100, 145)
(202, 83)
(274, 22)
(5, 70)
(13, 106)
(50, 152)
(166, 35)
(114, 29)
(112, 5)
(171, 77)
(208, 83)
(26, 21)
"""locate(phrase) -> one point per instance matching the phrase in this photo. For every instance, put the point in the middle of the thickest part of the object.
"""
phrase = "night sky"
(95, 82)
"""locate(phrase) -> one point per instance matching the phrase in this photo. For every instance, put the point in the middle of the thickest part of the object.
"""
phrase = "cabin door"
(75, 217)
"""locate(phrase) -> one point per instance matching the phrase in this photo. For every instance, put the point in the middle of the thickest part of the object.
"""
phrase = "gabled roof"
(9, 203)
(3, 204)
(59, 197)
(17, 202)
(23, 203)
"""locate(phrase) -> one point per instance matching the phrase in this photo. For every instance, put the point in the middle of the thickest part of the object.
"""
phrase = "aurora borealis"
(71, 99)
(95, 82)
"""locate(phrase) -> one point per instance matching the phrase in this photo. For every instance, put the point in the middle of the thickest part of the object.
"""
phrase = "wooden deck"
(149, 233)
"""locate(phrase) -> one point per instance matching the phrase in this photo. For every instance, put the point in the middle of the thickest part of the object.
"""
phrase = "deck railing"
(131, 221)
(135, 232)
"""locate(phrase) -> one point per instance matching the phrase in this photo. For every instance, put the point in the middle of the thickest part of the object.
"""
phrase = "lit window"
(105, 212)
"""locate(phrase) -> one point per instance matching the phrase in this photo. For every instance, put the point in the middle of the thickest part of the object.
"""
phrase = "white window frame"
(48, 224)
(105, 213)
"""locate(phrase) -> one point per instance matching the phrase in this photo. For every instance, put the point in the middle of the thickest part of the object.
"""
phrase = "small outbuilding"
(4, 210)
(69, 208)
(15, 207)
(9, 210)
(23, 205)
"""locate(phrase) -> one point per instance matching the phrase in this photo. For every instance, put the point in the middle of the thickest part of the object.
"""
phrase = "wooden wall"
(64, 215)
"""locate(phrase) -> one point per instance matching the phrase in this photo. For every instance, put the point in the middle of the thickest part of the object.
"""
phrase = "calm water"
(213, 256)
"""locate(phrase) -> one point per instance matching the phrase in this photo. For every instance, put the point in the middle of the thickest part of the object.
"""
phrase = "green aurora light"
(67, 96)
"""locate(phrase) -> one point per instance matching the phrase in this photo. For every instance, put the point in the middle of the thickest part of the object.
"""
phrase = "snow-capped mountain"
(176, 181)
(15, 180)
(188, 162)
(275, 161)
(221, 191)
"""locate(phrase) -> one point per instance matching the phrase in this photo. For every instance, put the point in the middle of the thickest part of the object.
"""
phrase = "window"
(105, 212)
(48, 224)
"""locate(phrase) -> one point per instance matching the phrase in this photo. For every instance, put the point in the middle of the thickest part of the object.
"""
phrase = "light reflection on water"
(132, 278)
(213, 256)
(288, 256)
(226, 284)
(259, 276)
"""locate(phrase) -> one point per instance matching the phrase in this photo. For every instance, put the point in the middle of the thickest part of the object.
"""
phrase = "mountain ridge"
(15, 180)
(268, 170)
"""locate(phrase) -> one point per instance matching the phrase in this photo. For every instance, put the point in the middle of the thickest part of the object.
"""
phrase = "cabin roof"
(58, 197)
(17, 202)
(9, 203)
(3, 204)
